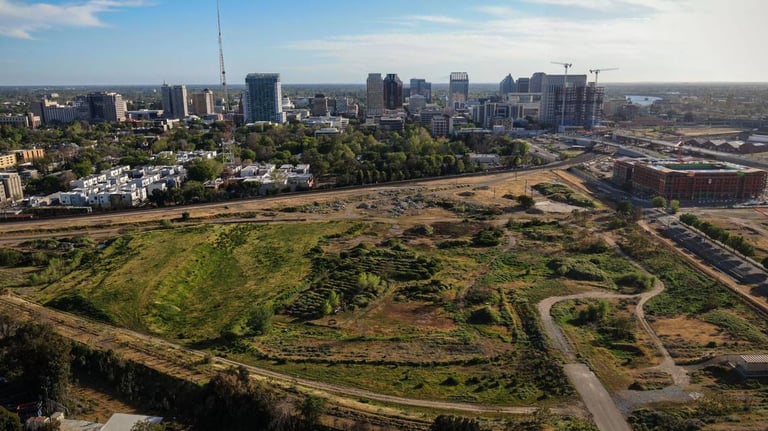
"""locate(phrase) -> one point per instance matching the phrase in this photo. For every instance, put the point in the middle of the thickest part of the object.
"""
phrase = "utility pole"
(565, 87)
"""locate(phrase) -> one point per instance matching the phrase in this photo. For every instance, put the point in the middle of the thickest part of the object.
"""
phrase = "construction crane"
(565, 86)
(222, 72)
(597, 72)
(595, 114)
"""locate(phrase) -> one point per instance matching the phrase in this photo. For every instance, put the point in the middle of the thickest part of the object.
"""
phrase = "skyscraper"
(105, 107)
(421, 87)
(263, 98)
(523, 85)
(458, 88)
(393, 92)
(507, 85)
(374, 103)
(202, 103)
(582, 101)
(175, 102)
(536, 83)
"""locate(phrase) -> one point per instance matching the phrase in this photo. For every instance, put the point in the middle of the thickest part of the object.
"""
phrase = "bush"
(488, 237)
(485, 316)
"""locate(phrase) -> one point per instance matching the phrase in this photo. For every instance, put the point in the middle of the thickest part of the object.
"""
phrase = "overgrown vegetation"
(562, 193)
(737, 242)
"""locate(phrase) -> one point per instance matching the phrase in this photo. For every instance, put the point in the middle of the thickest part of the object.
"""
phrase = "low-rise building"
(752, 366)
(694, 180)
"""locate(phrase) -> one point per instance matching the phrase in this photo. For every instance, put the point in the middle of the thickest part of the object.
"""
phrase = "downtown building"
(175, 101)
(105, 107)
(421, 87)
(263, 100)
(458, 90)
(202, 103)
(693, 181)
(374, 95)
(393, 92)
(582, 102)
(507, 85)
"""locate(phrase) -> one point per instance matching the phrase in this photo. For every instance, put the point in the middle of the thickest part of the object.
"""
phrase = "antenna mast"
(223, 73)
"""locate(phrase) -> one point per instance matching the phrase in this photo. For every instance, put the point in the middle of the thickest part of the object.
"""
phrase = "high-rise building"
(458, 89)
(175, 101)
(507, 85)
(523, 85)
(202, 103)
(108, 107)
(536, 85)
(421, 87)
(10, 183)
(393, 92)
(319, 106)
(374, 90)
(582, 101)
(263, 98)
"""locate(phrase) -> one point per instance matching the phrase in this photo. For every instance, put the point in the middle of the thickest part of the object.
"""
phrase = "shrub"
(485, 316)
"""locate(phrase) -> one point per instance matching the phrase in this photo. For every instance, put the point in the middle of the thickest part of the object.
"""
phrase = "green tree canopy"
(204, 169)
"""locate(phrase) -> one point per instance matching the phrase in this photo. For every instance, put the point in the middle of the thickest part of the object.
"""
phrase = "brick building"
(699, 181)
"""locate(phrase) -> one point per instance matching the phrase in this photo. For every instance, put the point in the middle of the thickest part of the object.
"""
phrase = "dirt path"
(180, 361)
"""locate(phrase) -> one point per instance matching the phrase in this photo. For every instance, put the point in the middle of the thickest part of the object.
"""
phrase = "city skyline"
(139, 42)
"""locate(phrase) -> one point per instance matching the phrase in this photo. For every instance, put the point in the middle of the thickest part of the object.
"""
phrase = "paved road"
(604, 412)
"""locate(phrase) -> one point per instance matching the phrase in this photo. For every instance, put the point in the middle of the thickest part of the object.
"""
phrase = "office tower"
(421, 87)
(319, 105)
(582, 101)
(263, 99)
(174, 101)
(202, 103)
(416, 103)
(536, 82)
(10, 185)
(108, 107)
(523, 85)
(374, 103)
(393, 92)
(458, 89)
(507, 85)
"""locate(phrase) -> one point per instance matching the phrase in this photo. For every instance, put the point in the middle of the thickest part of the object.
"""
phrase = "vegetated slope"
(191, 282)
(445, 310)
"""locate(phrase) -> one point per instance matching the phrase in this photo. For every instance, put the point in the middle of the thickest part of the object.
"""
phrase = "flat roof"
(755, 359)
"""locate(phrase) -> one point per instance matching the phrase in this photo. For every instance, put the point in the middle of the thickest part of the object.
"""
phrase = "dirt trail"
(180, 361)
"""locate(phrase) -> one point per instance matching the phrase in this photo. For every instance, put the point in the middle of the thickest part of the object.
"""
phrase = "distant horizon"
(362, 84)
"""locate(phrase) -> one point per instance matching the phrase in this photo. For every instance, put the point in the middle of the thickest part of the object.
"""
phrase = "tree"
(9, 421)
(310, 410)
(659, 202)
(525, 201)
(203, 170)
(261, 318)
(674, 206)
(82, 168)
(327, 309)
(454, 423)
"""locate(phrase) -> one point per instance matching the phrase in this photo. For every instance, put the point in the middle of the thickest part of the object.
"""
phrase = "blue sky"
(102, 42)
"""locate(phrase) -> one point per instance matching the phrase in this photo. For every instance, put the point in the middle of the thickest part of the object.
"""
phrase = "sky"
(126, 42)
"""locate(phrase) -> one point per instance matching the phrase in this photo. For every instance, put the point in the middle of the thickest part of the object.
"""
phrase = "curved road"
(604, 411)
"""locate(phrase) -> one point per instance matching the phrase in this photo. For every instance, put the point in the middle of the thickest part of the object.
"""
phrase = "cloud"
(21, 20)
(436, 19)
(703, 42)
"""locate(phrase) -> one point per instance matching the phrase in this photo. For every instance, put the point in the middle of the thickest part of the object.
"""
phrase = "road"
(604, 410)
(177, 360)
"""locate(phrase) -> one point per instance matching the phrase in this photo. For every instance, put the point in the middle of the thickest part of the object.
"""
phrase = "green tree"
(310, 410)
(9, 421)
(454, 423)
(525, 201)
(659, 202)
(203, 170)
(674, 206)
(327, 309)
(260, 319)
